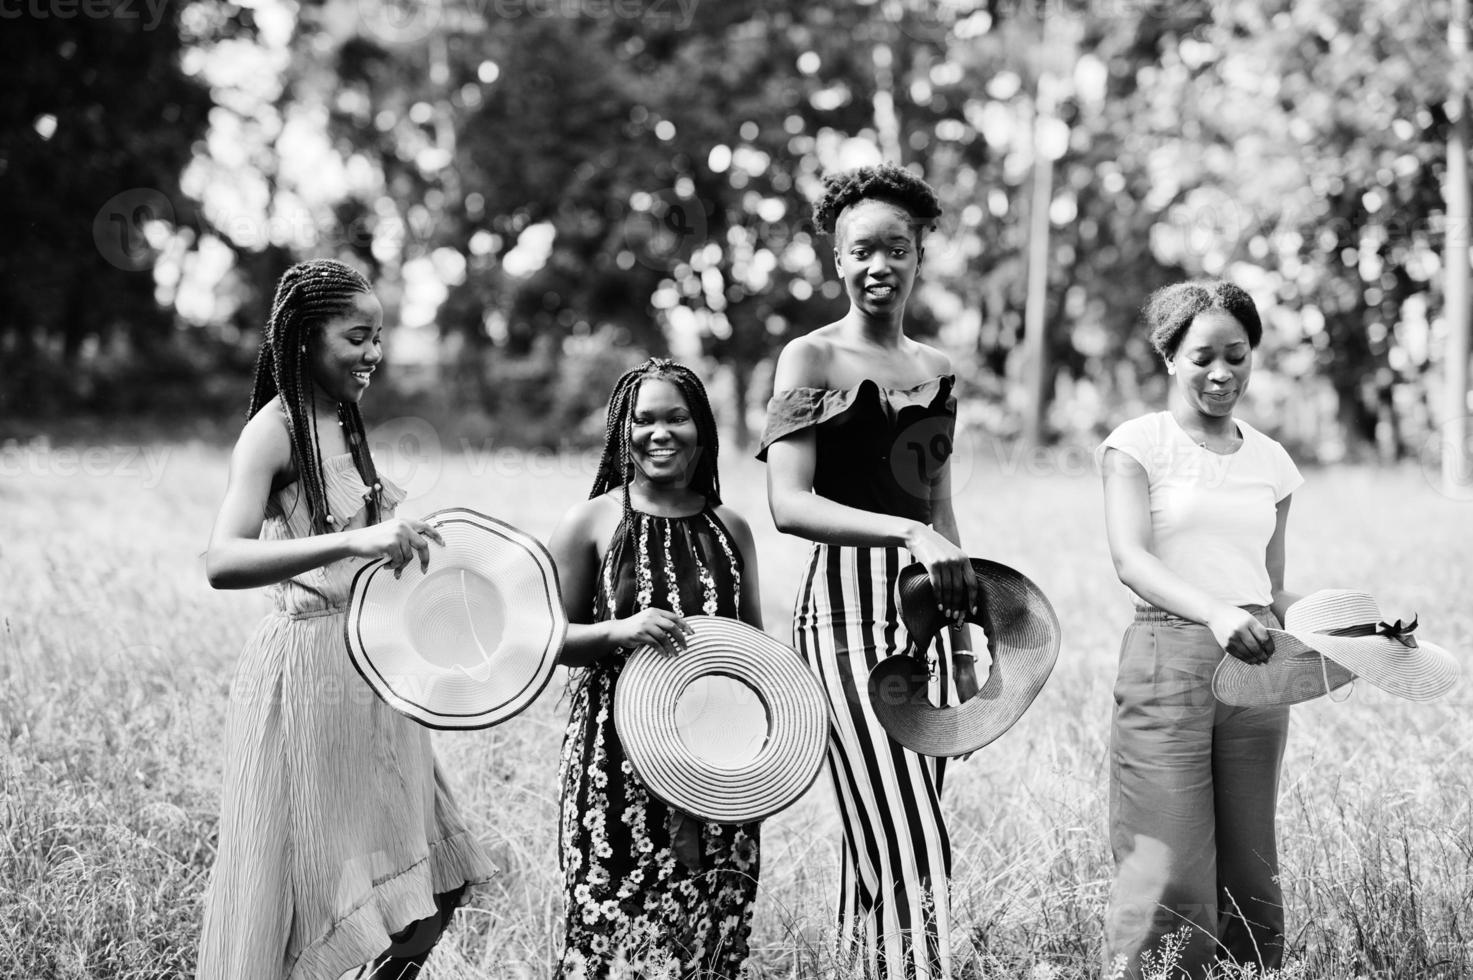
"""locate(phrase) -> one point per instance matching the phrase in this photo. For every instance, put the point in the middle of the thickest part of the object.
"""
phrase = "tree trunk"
(1455, 471)
(741, 383)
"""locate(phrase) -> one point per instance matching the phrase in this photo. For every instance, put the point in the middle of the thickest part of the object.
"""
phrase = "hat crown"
(1330, 609)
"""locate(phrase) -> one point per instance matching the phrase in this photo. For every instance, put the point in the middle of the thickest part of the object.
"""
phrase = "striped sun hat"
(730, 730)
(1330, 638)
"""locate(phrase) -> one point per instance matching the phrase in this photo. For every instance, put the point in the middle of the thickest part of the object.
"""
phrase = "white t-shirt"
(1211, 515)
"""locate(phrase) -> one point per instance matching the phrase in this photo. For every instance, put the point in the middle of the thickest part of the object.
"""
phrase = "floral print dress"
(650, 892)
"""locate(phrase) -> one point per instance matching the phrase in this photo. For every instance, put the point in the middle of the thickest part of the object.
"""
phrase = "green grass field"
(116, 658)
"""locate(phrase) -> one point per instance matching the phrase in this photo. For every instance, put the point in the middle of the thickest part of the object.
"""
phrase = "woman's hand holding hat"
(950, 570)
(1240, 633)
(657, 627)
(398, 539)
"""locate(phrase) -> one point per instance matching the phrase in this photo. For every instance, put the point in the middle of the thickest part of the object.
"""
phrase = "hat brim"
(471, 641)
(1023, 638)
(742, 756)
(1293, 674)
(1306, 665)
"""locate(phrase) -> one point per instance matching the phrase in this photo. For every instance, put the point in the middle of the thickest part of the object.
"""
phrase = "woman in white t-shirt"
(1196, 506)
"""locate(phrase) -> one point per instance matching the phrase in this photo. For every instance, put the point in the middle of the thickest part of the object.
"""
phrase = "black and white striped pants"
(894, 914)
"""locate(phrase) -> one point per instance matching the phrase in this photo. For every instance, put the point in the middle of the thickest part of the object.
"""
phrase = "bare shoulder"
(804, 361)
(936, 362)
(734, 521)
(740, 530)
(584, 521)
(264, 443)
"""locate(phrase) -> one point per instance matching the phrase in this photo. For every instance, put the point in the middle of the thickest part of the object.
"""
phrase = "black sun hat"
(1022, 636)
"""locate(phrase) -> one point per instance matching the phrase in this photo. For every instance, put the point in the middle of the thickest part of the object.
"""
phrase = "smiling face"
(344, 350)
(877, 254)
(1212, 363)
(664, 442)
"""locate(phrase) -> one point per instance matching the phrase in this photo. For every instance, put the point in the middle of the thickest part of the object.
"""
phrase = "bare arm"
(1128, 528)
(751, 598)
(574, 548)
(943, 519)
(575, 552)
(238, 559)
(963, 663)
(796, 509)
(1283, 599)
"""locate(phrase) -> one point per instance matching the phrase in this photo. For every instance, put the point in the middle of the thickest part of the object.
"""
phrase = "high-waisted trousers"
(1193, 790)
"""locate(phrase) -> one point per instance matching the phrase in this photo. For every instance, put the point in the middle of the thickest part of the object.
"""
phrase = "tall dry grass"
(115, 661)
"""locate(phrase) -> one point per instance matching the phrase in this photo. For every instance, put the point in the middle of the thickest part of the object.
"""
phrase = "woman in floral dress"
(650, 892)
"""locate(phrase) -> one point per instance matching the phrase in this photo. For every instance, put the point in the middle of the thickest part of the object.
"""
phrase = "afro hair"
(894, 185)
(1171, 310)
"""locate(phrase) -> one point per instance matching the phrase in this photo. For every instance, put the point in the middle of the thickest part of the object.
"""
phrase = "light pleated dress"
(337, 828)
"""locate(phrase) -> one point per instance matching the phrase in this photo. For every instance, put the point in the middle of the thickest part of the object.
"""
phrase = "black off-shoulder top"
(878, 448)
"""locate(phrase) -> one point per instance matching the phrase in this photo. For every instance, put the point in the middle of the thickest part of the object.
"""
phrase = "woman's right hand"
(950, 569)
(1241, 634)
(398, 539)
(654, 627)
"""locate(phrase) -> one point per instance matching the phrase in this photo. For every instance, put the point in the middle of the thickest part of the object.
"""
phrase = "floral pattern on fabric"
(650, 892)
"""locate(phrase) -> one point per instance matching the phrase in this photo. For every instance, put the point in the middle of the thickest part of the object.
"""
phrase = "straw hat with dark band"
(1330, 638)
(1022, 636)
(468, 643)
(732, 729)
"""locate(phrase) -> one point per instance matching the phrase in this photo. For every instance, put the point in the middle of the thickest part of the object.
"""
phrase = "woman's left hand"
(964, 676)
(964, 682)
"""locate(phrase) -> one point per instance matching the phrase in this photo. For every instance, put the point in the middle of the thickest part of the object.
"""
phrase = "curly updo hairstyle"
(1171, 310)
(886, 182)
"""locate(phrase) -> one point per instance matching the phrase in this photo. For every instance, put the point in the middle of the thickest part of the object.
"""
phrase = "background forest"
(545, 190)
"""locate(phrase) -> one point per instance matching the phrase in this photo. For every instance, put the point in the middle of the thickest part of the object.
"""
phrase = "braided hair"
(886, 182)
(308, 295)
(1171, 309)
(617, 461)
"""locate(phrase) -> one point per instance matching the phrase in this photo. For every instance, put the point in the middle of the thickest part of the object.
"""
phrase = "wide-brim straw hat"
(730, 730)
(1330, 638)
(1023, 638)
(471, 641)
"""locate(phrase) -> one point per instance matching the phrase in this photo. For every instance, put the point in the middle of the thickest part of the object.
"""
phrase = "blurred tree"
(89, 191)
(532, 183)
(1313, 140)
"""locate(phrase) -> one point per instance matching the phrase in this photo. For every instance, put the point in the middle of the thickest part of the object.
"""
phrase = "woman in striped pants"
(857, 443)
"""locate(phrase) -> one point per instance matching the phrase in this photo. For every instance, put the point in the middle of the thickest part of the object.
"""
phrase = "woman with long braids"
(858, 439)
(648, 891)
(340, 847)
